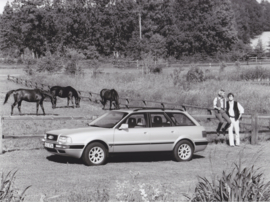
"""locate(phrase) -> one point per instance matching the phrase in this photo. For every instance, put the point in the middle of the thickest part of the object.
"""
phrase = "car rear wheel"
(183, 151)
(95, 154)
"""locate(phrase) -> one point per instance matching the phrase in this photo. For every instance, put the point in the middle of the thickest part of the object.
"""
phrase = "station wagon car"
(130, 130)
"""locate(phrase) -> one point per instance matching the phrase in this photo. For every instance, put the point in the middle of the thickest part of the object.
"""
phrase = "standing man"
(235, 111)
(220, 111)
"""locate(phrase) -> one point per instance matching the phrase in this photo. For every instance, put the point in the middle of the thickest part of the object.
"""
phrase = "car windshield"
(108, 120)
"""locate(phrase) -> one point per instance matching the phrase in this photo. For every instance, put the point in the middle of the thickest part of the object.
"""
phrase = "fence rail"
(118, 63)
(41, 118)
(254, 124)
(90, 95)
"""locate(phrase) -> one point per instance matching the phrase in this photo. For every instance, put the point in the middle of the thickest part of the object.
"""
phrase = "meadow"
(136, 177)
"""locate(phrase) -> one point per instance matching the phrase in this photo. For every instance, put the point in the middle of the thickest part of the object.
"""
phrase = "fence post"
(1, 136)
(254, 133)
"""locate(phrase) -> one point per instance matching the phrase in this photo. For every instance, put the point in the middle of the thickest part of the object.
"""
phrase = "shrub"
(176, 76)
(7, 191)
(49, 64)
(237, 64)
(28, 70)
(157, 69)
(222, 67)
(73, 58)
(258, 74)
(241, 184)
(91, 53)
(195, 74)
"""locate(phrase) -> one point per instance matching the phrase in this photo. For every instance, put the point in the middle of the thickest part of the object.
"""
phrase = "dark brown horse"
(28, 95)
(66, 92)
(110, 95)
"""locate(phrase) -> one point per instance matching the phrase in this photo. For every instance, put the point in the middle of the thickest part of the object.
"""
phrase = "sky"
(2, 5)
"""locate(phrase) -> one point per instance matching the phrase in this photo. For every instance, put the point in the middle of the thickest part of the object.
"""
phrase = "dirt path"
(51, 175)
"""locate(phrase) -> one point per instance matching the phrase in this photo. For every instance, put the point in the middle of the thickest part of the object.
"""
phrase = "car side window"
(180, 119)
(136, 120)
(159, 120)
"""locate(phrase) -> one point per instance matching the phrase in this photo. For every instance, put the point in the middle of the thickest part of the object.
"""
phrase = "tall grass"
(239, 184)
(166, 87)
(8, 192)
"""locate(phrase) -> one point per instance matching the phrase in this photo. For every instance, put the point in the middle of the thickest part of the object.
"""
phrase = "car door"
(135, 138)
(163, 133)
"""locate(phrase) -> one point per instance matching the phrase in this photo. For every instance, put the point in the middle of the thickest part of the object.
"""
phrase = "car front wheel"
(183, 151)
(95, 154)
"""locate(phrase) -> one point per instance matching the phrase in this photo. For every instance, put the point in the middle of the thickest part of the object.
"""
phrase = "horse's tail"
(7, 95)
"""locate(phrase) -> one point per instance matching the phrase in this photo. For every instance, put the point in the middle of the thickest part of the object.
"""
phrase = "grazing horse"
(66, 92)
(111, 95)
(28, 95)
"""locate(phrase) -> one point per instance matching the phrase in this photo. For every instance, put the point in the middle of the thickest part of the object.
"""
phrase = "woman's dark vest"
(235, 109)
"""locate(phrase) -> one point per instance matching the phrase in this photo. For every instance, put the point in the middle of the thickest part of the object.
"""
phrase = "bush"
(73, 57)
(195, 74)
(91, 53)
(49, 64)
(256, 74)
(222, 67)
(241, 184)
(7, 191)
(176, 76)
(237, 65)
(157, 69)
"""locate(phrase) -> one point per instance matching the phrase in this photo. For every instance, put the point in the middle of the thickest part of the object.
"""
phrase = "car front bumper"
(63, 150)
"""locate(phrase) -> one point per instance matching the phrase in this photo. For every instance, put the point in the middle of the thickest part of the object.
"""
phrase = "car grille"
(52, 137)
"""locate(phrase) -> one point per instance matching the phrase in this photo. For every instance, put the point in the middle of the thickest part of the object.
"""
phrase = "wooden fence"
(254, 124)
(125, 64)
(90, 96)
(41, 118)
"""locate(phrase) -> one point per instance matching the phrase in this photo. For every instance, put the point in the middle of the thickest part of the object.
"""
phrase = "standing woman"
(220, 111)
(235, 111)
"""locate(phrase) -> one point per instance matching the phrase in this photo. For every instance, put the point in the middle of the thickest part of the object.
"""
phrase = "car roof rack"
(138, 108)
(161, 108)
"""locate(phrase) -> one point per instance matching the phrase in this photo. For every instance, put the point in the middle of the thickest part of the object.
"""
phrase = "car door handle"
(172, 131)
(145, 133)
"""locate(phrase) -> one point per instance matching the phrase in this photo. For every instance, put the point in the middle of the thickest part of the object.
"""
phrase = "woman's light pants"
(235, 125)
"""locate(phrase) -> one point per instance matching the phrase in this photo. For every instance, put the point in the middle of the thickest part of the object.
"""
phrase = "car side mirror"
(124, 126)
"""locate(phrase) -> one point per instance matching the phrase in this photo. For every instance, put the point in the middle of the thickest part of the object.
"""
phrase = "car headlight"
(64, 139)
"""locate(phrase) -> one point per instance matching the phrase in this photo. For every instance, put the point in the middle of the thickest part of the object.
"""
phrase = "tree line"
(176, 29)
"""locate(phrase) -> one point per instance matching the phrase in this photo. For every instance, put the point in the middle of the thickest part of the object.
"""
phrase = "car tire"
(95, 154)
(183, 151)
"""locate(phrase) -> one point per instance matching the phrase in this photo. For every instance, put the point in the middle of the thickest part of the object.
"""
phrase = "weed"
(195, 74)
(8, 192)
(222, 67)
(240, 184)
(176, 76)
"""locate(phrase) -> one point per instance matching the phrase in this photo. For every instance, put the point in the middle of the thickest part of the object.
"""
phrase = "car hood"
(77, 131)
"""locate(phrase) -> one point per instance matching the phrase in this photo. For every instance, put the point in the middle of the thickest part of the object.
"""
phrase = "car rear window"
(180, 119)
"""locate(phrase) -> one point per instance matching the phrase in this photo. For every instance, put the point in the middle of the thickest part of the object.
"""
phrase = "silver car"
(130, 130)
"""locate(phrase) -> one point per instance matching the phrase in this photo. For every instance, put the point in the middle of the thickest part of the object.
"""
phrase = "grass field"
(151, 177)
